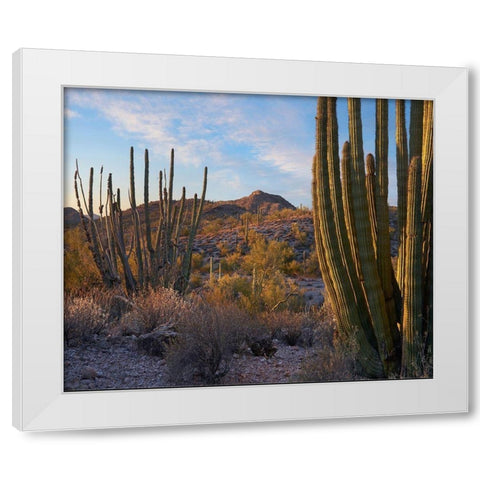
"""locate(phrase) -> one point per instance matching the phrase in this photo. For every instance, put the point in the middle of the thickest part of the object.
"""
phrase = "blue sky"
(248, 142)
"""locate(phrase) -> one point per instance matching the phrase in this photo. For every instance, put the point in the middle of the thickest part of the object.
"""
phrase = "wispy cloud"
(69, 113)
(203, 127)
(245, 140)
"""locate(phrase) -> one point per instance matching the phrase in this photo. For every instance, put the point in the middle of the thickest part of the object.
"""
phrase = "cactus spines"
(412, 322)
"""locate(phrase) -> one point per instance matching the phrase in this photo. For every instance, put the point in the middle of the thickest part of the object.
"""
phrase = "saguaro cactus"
(165, 261)
(354, 253)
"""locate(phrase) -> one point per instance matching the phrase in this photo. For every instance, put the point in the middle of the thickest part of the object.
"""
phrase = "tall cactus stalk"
(336, 281)
(372, 283)
(165, 261)
(384, 259)
(412, 348)
(361, 286)
(402, 173)
(136, 222)
(427, 221)
(346, 169)
(370, 180)
(416, 128)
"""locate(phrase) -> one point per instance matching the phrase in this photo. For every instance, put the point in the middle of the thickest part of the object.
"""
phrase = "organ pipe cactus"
(412, 321)
(165, 261)
(402, 169)
(351, 226)
(370, 181)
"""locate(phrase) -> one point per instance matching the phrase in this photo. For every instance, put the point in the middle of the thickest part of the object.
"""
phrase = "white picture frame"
(39, 402)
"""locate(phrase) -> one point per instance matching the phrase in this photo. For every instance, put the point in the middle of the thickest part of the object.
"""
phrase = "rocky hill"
(256, 202)
(71, 217)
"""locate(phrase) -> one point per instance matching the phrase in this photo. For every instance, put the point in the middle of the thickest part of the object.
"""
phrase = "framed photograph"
(219, 240)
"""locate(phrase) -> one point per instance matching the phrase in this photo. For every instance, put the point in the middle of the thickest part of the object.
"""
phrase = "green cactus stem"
(412, 348)
(337, 280)
(370, 182)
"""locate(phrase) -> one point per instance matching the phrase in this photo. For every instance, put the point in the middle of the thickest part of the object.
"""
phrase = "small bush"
(203, 349)
(150, 310)
(232, 262)
(268, 256)
(333, 359)
(228, 289)
(223, 248)
(197, 262)
(196, 281)
(300, 236)
(292, 328)
(155, 308)
(311, 264)
(83, 318)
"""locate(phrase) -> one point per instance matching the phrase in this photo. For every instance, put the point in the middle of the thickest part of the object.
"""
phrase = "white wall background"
(407, 32)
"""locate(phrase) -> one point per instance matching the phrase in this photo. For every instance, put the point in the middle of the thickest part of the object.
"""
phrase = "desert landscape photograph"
(231, 239)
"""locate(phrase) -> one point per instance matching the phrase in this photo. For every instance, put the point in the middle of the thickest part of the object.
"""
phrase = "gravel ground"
(115, 363)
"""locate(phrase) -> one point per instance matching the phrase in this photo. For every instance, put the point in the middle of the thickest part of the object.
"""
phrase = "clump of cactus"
(389, 316)
(153, 258)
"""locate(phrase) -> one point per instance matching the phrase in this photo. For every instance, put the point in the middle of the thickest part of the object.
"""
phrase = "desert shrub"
(329, 365)
(203, 349)
(212, 226)
(283, 214)
(195, 280)
(232, 262)
(223, 248)
(228, 289)
(276, 293)
(256, 293)
(299, 235)
(293, 268)
(311, 264)
(83, 318)
(334, 358)
(197, 261)
(292, 328)
(268, 256)
(80, 271)
(152, 309)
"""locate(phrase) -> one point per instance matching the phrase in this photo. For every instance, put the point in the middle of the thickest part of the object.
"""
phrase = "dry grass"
(331, 359)
(149, 310)
(83, 318)
(207, 339)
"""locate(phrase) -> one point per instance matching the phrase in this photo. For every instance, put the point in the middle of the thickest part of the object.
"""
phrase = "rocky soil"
(115, 363)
